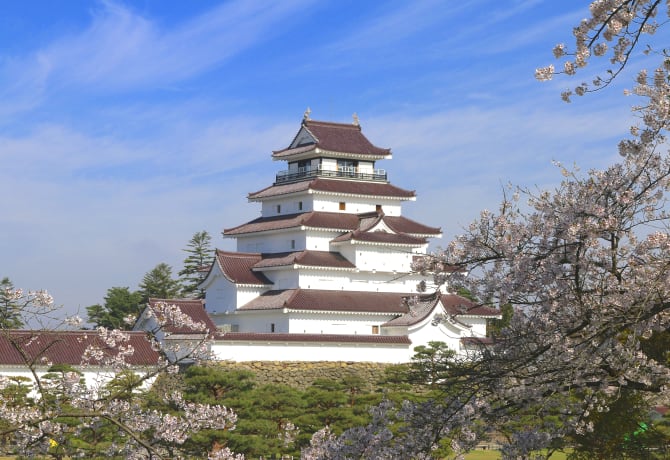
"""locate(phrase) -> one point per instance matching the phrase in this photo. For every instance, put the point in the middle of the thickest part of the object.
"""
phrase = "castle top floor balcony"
(341, 172)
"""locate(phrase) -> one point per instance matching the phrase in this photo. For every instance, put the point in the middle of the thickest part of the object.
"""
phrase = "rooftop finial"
(306, 115)
(356, 120)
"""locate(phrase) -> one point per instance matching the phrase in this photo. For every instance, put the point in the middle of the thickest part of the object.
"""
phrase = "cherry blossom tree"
(59, 414)
(614, 30)
(586, 268)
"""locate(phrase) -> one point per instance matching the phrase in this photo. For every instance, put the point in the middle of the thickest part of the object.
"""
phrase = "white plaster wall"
(383, 259)
(321, 279)
(478, 325)
(284, 279)
(426, 332)
(288, 205)
(335, 323)
(246, 294)
(296, 351)
(252, 243)
(383, 282)
(262, 321)
(359, 281)
(356, 205)
(319, 240)
(221, 296)
(271, 243)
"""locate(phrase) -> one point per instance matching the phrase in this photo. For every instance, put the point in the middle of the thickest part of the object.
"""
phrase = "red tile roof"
(335, 137)
(338, 221)
(477, 341)
(453, 304)
(380, 237)
(323, 300)
(323, 259)
(193, 308)
(69, 347)
(418, 311)
(344, 187)
(330, 338)
(330, 220)
(400, 224)
(236, 266)
(460, 306)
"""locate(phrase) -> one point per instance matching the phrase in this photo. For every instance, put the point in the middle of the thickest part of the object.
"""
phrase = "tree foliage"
(200, 257)
(585, 268)
(158, 283)
(119, 311)
(613, 30)
(53, 411)
(10, 309)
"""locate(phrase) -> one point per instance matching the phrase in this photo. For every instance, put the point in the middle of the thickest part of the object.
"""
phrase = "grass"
(495, 455)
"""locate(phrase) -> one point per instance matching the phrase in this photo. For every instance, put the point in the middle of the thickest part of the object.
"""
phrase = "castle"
(325, 273)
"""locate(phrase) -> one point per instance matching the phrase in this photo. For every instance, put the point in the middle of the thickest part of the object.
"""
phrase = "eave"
(303, 153)
(359, 195)
(376, 243)
(305, 267)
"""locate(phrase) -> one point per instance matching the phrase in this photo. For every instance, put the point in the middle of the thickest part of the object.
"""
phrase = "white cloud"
(122, 50)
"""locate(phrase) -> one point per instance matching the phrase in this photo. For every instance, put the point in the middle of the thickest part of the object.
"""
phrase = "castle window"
(347, 167)
(375, 330)
(343, 205)
(299, 205)
(378, 208)
(278, 209)
(272, 327)
(292, 244)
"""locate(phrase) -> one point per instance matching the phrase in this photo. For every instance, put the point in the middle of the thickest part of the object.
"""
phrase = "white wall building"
(325, 272)
(89, 356)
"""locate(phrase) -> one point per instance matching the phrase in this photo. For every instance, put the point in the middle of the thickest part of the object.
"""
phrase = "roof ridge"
(239, 254)
(332, 123)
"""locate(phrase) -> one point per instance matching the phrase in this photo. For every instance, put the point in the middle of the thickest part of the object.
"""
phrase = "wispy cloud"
(122, 50)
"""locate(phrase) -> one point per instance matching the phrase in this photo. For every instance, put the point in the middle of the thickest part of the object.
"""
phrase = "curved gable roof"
(452, 304)
(333, 137)
(192, 308)
(236, 267)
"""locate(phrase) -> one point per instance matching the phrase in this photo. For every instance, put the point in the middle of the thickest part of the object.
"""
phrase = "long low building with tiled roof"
(91, 357)
(327, 270)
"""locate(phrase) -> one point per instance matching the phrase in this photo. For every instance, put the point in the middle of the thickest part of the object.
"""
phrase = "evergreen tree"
(10, 309)
(120, 304)
(158, 283)
(200, 257)
(431, 364)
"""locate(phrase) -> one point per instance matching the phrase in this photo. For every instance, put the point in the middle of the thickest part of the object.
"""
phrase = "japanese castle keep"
(323, 273)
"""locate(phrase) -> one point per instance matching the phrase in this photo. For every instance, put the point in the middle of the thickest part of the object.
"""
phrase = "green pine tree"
(120, 305)
(199, 259)
(158, 283)
(10, 309)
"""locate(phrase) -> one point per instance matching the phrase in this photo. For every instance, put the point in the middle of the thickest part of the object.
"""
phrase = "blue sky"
(126, 127)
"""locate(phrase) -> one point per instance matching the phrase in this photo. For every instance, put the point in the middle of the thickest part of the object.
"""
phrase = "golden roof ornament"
(306, 114)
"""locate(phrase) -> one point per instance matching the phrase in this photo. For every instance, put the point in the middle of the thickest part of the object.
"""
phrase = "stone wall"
(302, 374)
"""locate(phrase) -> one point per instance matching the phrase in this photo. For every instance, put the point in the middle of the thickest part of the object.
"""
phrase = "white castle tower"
(325, 272)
